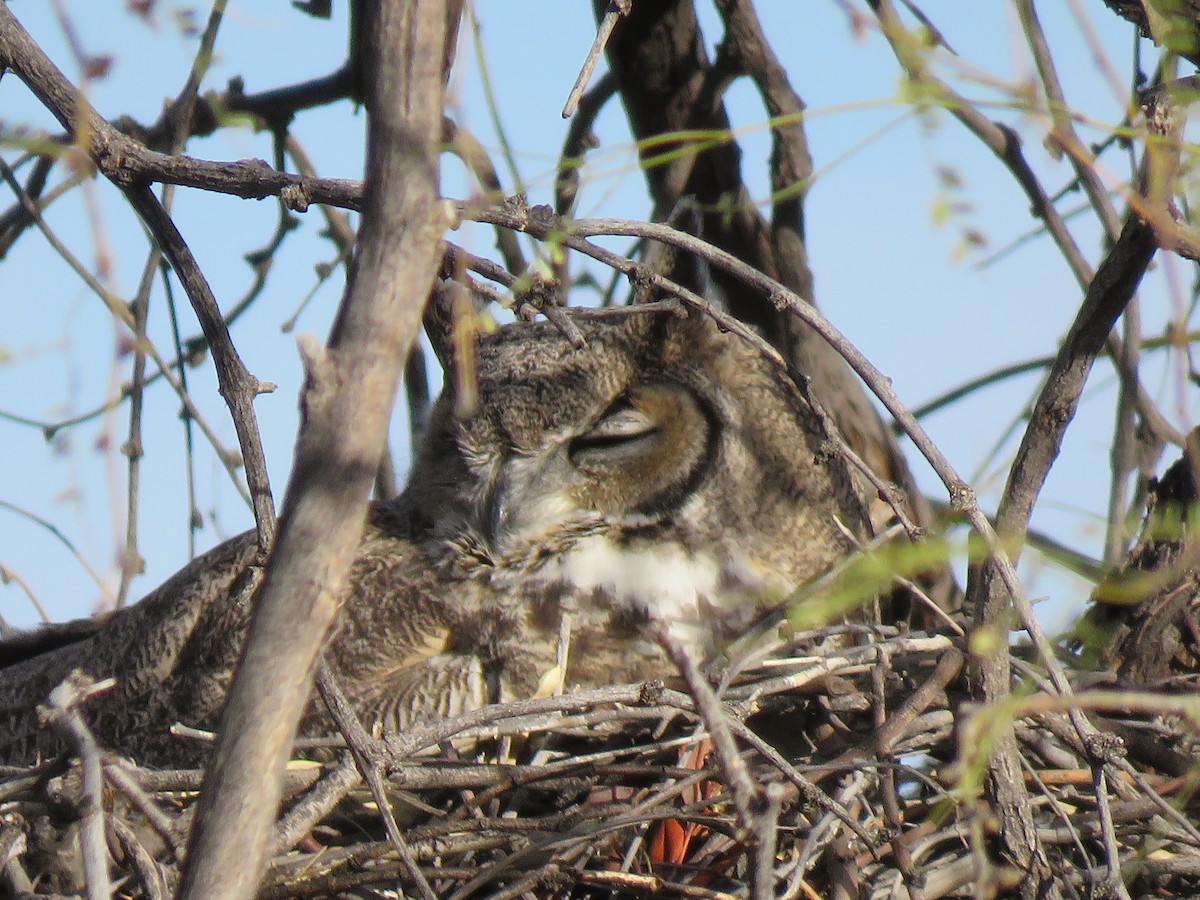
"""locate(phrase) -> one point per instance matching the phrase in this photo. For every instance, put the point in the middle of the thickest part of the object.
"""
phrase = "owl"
(665, 474)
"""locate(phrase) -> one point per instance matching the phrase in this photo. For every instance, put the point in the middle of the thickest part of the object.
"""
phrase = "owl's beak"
(501, 519)
(523, 502)
(497, 516)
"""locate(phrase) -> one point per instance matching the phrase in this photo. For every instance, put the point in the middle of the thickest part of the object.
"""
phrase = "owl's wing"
(145, 648)
(439, 687)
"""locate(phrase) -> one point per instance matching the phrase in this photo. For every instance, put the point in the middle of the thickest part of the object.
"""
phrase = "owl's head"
(661, 426)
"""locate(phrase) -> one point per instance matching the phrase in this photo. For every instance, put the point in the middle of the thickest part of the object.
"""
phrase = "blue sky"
(891, 265)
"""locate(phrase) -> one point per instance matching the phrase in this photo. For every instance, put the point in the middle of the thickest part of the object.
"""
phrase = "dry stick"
(578, 140)
(62, 712)
(132, 563)
(368, 757)
(809, 791)
(616, 9)
(124, 782)
(194, 519)
(1112, 287)
(259, 260)
(108, 149)
(534, 297)
(758, 815)
(1112, 885)
(1118, 762)
(886, 490)
(10, 576)
(1062, 814)
(140, 860)
(472, 154)
(1109, 291)
(347, 401)
(891, 804)
(237, 386)
(791, 164)
(338, 227)
(12, 844)
(272, 106)
(319, 802)
(1063, 133)
(15, 220)
(1125, 440)
(125, 161)
(657, 700)
(62, 539)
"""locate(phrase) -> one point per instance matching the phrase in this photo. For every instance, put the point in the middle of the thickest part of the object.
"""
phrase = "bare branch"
(105, 146)
(347, 402)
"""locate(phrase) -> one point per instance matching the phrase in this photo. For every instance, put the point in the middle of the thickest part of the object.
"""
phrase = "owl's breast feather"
(702, 597)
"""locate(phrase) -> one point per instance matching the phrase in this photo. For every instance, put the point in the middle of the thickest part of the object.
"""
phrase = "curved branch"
(107, 147)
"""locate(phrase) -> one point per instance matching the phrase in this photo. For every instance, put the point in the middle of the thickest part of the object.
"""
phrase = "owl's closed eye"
(645, 453)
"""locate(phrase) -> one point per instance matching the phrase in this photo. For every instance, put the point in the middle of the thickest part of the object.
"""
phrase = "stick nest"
(865, 760)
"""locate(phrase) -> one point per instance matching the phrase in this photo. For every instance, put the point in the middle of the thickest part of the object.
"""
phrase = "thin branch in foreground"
(368, 757)
(21, 54)
(62, 711)
(616, 9)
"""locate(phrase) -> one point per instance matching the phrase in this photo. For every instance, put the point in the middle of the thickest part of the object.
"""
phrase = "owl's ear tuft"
(680, 266)
(439, 323)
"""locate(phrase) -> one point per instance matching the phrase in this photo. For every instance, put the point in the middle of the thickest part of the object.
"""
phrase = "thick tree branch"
(346, 404)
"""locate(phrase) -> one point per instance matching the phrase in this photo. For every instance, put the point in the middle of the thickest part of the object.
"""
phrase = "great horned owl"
(666, 470)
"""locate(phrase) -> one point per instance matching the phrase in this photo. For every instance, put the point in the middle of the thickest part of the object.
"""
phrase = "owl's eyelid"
(624, 424)
(620, 437)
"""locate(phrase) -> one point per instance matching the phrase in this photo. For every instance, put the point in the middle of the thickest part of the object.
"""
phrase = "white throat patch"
(669, 584)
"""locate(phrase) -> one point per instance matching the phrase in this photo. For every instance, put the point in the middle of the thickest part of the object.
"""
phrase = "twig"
(616, 9)
(1113, 885)
(238, 387)
(62, 539)
(1065, 139)
(10, 576)
(891, 805)
(578, 140)
(468, 149)
(106, 147)
(62, 711)
(531, 295)
(733, 768)
(12, 845)
(123, 781)
(320, 800)
(368, 757)
(132, 563)
(142, 862)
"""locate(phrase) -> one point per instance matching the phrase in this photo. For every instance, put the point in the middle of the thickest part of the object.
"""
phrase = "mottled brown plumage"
(667, 470)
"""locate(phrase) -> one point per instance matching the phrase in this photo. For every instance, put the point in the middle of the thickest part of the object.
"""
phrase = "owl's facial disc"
(633, 464)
